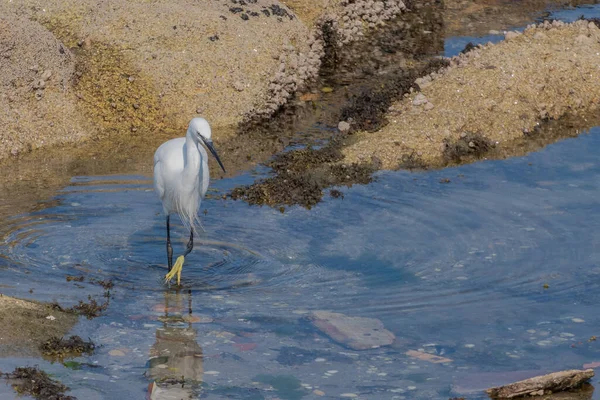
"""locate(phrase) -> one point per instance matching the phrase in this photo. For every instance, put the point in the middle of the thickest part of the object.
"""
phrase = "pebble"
(511, 35)
(420, 99)
(578, 320)
(348, 395)
(40, 84)
(319, 392)
(343, 126)
(47, 74)
(211, 373)
(239, 86)
(51, 317)
(584, 40)
(333, 371)
(469, 345)
(116, 353)
(428, 106)
(412, 388)
(320, 360)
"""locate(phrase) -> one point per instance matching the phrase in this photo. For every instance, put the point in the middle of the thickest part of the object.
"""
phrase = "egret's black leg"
(190, 244)
(169, 248)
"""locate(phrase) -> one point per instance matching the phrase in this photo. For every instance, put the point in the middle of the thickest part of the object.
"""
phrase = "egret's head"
(200, 128)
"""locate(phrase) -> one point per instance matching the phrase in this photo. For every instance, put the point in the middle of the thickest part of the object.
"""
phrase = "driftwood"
(539, 385)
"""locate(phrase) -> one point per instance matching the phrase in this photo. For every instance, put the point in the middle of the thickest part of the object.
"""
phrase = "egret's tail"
(190, 218)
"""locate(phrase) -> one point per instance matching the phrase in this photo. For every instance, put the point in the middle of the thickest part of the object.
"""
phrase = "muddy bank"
(26, 325)
(489, 98)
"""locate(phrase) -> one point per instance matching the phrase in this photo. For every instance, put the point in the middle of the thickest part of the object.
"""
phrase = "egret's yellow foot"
(176, 270)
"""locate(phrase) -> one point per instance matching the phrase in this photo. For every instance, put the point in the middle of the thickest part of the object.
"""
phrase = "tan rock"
(528, 80)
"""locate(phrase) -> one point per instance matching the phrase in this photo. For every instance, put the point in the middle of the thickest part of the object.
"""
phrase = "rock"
(584, 40)
(358, 333)
(116, 353)
(511, 35)
(39, 84)
(554, 382)
(344, 127)
(47, 74)
(477, 382)
(432, 358)
(428, 106)
(239, 86)
(419, 99)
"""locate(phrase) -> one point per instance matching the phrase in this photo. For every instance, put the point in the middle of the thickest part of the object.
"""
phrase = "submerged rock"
(358, 333)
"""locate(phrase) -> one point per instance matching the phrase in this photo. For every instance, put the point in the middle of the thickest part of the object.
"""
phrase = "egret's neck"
(192, 157)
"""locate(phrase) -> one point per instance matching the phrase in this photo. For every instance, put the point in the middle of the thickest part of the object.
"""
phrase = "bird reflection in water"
(175, 365)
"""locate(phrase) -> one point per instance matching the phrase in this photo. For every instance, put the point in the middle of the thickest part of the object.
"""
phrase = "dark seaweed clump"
(468, 47)
(91, 309)
(470, 146)
(301, 176)
(368, 109)
(36, 383)
(107, 284)
(60, 348)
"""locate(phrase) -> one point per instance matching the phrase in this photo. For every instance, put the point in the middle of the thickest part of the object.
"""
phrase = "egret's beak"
(209, 144)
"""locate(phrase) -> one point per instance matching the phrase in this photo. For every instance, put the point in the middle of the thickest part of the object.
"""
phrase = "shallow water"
(457, 269)
(453, 45)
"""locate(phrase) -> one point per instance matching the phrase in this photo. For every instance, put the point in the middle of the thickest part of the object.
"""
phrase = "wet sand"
(25, 325)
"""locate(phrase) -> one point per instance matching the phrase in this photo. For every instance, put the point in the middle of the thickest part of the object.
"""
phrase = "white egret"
(181, 179)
